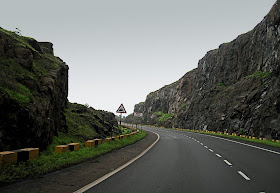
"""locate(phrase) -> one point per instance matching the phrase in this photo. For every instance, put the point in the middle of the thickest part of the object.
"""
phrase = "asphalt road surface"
(195, 163)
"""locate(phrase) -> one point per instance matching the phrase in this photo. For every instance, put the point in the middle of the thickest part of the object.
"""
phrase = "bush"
(164, 116)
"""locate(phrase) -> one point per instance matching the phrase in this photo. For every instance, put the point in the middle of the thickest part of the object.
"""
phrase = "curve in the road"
(188, 162)
(94, 183)
(245, 177)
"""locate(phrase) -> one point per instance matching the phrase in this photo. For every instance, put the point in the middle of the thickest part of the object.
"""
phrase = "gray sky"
(119, 51)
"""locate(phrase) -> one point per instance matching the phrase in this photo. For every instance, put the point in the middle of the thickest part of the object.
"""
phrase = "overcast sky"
(118, 51)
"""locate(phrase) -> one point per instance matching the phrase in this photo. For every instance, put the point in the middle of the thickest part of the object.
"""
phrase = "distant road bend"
(195, 163)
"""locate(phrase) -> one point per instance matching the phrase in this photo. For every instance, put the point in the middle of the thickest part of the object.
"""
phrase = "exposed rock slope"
(33, 90)
(33, 98)
(235, 87)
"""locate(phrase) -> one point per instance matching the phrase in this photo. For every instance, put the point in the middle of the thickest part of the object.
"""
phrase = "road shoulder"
(73, 178)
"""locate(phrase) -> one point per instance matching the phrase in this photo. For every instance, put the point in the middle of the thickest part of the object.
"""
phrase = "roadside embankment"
(51, 162)
(72, 178)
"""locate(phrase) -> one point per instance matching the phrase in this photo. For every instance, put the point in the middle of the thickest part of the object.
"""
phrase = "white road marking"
(244, 176)
(201, 143)
(227, 162)
(218, 155)
(211, 150)
(206, 147)
(260, 148)
(94, 183)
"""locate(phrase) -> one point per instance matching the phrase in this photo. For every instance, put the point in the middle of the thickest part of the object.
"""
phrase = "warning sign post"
(121, 110)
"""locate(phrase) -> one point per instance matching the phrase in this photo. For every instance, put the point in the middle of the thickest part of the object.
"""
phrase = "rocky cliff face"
(33, 92)
(234, 88)
(168, 100)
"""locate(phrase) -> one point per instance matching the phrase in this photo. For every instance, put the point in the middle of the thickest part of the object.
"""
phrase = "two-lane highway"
(189, 162)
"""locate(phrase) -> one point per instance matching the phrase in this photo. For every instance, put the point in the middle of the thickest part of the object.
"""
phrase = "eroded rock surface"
(235, 88)
(33, 92)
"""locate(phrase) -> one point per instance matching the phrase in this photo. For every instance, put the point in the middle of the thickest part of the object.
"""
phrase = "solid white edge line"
(244, 176)
(271, 151)
(227, 162)
(94, 183)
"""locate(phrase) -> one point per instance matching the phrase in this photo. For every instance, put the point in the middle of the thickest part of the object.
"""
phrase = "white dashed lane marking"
(218, 155)
(244, 176)
(227, 162)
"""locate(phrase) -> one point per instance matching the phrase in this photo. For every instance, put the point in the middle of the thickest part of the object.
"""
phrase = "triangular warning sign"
(121, 109)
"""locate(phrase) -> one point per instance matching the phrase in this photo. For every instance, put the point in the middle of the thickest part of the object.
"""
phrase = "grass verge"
(265, 142)
(49, 163)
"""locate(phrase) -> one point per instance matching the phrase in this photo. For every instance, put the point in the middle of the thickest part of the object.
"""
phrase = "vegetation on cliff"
(163, 116)
(34, 109)
(84, 123)
(35, 112)
(234, 88)
(33, 90)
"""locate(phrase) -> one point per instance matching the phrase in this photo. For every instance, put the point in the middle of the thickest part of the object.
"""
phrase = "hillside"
(86, 123)
(33, 105)
(235, 88)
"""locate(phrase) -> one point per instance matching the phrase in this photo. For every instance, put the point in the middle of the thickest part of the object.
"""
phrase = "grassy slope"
(82, 122)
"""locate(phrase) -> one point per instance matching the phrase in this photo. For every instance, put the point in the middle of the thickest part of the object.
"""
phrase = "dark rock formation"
(33, 92)
(47, 47)
(234, 88)
(33, 98)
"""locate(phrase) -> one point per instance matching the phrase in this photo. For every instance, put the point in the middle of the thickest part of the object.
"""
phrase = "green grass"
(20, 98)
(49, 163)
(18, 93)
(125, 130)
(61, 139)
(265, 142)
(258, 74)
(83, 122)
(222, 85)
(163, 116)
(21, 41)
(13, 72)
